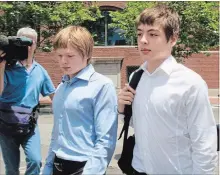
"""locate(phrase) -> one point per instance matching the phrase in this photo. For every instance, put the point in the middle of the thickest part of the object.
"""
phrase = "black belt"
(67, 167)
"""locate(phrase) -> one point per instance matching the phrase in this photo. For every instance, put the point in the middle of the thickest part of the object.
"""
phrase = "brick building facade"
(115, 61)
(206, 66)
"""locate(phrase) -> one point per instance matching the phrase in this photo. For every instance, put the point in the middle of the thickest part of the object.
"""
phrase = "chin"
(145, 58)
(66, 73)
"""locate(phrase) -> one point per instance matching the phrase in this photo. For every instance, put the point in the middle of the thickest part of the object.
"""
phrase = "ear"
(173, 40)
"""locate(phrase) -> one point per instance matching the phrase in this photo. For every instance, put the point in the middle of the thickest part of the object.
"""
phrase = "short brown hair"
(78, 37)
(161, 14)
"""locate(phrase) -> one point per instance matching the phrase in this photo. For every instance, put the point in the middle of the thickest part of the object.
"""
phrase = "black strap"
(34, 117)
(37, 107)
(128, 109)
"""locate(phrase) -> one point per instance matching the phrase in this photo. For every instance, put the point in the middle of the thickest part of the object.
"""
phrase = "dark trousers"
(137, 173)
(66, 167)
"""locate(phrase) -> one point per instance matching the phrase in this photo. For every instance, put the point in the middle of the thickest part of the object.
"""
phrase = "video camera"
(15, 48)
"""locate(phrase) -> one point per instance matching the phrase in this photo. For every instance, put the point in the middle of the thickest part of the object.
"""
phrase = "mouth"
(65, 68)
(145, 51)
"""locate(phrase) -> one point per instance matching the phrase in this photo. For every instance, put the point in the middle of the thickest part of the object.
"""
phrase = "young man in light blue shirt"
(21, 85)
(85, 120)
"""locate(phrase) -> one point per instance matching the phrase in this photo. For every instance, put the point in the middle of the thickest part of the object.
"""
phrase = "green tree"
(199, 24)
(47, 17)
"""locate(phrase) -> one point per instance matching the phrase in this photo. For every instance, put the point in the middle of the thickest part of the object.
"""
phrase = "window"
(102, 34)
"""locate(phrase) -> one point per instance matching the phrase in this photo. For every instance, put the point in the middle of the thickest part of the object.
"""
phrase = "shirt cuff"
(121, 117)
(47, 170)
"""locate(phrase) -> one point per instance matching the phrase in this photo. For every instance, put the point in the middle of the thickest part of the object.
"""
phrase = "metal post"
(106, 28)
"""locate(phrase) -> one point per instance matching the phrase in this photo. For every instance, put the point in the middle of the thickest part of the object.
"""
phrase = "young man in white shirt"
(175, 130)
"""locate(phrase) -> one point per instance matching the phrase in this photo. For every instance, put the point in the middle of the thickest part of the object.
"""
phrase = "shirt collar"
(166, 66)
(84, 74)
(18, 64)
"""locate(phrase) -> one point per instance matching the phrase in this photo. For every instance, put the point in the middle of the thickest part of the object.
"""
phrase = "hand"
(125, 97)
(2, 61)
(2, 54)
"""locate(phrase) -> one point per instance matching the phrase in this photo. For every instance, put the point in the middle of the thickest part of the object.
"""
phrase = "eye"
(139, 34)
(70, 56)
(153, 34)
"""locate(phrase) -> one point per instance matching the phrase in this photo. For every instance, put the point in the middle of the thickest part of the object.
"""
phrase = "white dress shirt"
(174, 125)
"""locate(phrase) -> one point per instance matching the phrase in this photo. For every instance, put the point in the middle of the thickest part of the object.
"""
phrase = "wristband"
(120, 112)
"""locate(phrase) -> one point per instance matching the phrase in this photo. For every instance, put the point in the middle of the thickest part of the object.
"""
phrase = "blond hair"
(77, 37)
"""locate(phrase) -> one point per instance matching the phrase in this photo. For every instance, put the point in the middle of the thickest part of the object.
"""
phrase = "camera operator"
(21, 85)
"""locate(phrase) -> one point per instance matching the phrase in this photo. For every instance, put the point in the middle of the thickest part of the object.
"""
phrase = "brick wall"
(115, 4)
(49, 62)
(207, 67)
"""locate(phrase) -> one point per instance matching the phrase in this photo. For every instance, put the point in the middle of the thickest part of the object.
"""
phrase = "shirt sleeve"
(202, 130)
(48, 168)
(105, 121)
(47, 86)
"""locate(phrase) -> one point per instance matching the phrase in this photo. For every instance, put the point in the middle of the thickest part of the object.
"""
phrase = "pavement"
(45, 125)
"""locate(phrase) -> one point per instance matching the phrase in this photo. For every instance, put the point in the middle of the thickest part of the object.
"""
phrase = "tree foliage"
(199, 21)
(199, 24)
(46, 17)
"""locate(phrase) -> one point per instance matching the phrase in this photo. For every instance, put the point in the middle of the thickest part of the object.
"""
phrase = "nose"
(144, 39)
(63, 60)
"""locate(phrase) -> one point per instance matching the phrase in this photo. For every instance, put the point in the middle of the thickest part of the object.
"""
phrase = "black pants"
(137, 173)
(66, 167)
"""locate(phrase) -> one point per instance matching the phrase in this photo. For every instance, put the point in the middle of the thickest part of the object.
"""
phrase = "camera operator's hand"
(2, 64)
(2, 70)
(2, 61)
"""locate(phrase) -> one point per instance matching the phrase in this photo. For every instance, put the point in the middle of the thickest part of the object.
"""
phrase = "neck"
(27, 63)
(74, 74)
(30, 61)
(153, 65)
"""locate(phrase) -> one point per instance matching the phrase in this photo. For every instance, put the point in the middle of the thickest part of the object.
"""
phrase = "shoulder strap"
(37, 107)
(128, 109)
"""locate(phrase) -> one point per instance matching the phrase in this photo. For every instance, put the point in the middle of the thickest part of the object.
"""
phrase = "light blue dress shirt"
(85, 121)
